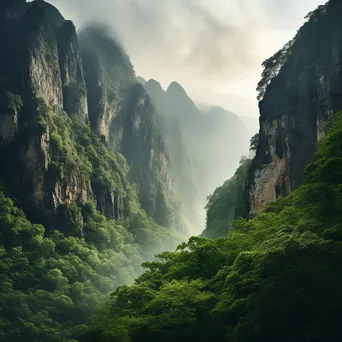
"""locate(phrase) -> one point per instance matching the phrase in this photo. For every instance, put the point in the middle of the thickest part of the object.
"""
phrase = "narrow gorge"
(131, 210)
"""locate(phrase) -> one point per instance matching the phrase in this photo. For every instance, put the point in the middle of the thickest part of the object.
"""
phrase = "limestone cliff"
(41, 81)
(137, 134)
(109, 74)
(74, 91)
(297, 105)
(121, 111)
(40, 72)
(205, 145)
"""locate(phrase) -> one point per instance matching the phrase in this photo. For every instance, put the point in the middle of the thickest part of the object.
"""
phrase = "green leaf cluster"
(50, 282)
(276, 277)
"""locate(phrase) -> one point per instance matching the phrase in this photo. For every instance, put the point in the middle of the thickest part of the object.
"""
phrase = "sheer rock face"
(121, 111)
(42, 64)
(43, 70)
(136, 133)
(74, 88)
(109, 74)
(297, 106)
(40, 58)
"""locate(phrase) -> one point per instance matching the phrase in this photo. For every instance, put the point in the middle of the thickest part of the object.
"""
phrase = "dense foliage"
(228, 202)
(51, 281)
(120, 109)
(276, 277)
(271, 68)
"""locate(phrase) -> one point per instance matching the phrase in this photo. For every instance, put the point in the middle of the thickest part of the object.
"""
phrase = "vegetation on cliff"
(318, 21)
(74, 227)
(120, 109)
(197, 138)
(52, 280)
(274, 278)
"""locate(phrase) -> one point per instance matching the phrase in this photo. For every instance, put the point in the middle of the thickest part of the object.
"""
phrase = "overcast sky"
(214, 48)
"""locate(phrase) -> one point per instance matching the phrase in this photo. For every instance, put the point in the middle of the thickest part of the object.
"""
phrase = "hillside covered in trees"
(52, 279)
(276, 277)
(76, 220)
(273, 272)
(100, 173)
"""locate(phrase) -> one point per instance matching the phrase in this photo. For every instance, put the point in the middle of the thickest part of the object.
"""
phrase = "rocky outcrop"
(43, 70)
(40, 59)
(297, 106)
(74, 89)
(137, 134)
(41, 76)
(110, 203)
(121, 111)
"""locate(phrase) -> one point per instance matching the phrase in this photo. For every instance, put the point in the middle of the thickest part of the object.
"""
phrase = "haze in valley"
(213, 48)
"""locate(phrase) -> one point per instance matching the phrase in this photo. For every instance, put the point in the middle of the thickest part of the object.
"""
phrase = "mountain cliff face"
(42, 79)
(205, 145)
(39, 65)
(72, 227)
(121, 111)
(298, 105)
(137, 134)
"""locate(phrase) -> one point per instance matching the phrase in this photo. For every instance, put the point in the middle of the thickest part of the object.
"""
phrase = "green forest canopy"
(276, 277)
(51, 282)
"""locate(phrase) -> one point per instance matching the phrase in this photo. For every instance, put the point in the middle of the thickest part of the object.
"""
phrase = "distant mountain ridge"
(205, 145)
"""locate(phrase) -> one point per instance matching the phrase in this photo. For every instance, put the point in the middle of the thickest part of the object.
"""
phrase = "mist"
(214, 49)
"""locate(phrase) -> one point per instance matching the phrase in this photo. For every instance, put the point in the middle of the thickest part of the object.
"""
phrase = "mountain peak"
(141, 80)
(176, 89)
(153, 85)
(52, 15)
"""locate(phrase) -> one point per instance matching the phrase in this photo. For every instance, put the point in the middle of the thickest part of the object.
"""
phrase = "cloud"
(206, 44)
(190, 34)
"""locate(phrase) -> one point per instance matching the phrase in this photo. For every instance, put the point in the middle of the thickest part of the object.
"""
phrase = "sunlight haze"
(213, 48)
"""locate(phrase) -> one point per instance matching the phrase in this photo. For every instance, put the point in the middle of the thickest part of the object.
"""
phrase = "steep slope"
(71, 225)
(297, 104)
(52, 280)
(205, 146)
(121, 111)
(40, 65)
(276, 277)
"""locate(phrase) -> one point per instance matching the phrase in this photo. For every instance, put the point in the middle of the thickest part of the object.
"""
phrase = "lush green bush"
(276, 277)
(51, 282)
